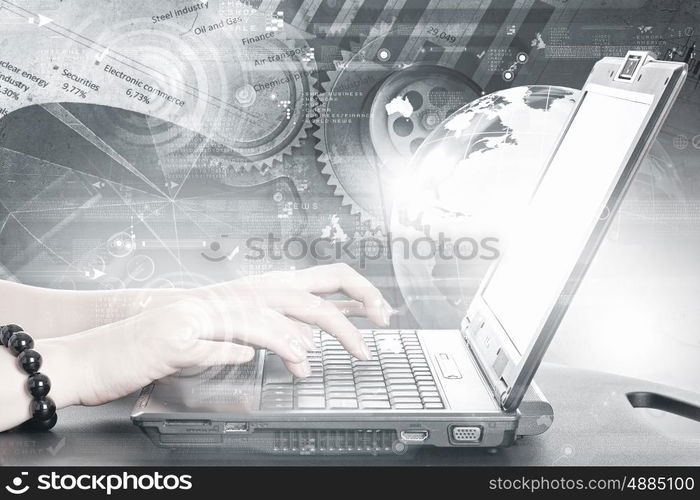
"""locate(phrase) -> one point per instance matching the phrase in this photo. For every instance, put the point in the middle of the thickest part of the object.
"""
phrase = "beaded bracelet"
(42, 407)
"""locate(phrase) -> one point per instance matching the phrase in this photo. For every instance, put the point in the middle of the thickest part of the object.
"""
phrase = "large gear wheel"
(367, 135)
(280, 94)
(253, 96)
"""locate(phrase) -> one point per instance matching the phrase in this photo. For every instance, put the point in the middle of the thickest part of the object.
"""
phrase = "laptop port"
(414, 436)
(466, 434)
(235, 427)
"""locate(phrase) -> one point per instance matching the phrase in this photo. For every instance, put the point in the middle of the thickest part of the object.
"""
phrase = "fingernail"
(305, 369)
(386, 313)
(367, 354)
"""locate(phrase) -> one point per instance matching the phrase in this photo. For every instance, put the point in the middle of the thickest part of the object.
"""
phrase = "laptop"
(467, 387)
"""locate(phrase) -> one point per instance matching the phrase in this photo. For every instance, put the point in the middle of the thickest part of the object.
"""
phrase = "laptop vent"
(372, 441)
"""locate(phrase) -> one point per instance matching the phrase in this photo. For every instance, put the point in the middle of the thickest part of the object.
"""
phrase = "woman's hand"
(221, 324)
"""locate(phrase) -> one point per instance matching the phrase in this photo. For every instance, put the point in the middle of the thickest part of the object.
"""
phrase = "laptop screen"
(541, 253)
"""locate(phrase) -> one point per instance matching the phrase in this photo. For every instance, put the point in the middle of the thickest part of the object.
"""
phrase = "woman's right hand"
(219, 325)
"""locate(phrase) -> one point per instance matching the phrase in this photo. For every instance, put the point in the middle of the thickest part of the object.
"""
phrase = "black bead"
(38, 385)
(6, 332)
(41, 425)
(19, 342)
(29, 360)
(42, 408)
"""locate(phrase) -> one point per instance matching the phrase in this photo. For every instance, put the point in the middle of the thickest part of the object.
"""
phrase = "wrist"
(64, 365)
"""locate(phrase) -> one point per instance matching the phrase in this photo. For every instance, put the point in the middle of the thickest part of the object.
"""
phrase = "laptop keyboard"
(398, 377)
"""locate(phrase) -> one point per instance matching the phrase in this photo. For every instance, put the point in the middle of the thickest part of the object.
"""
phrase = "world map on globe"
(467, 182)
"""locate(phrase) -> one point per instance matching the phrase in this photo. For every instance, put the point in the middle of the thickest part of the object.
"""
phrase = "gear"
(367, 133)
(277, 91)
(279, 95)
(254, 98)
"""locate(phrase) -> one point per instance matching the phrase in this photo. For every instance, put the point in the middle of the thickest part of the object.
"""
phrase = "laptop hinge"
(494, 373)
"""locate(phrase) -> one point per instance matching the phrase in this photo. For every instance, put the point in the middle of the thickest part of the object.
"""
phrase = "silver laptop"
(467, 387)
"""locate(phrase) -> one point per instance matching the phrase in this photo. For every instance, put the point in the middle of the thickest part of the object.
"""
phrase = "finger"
(308, 334)
(209, 353)
(342, 278)
(234, 321)
(322, 313)
(269, 329)
(301, 370)
(350, 307)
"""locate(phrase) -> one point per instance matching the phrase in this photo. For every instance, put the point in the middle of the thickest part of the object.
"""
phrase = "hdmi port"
(235, 427)
(414, 436)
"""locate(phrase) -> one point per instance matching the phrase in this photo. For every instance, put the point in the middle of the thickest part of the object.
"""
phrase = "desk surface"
(594, 424)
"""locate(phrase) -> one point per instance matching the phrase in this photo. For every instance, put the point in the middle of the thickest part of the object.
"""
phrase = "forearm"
(49, 313)
(87, 368)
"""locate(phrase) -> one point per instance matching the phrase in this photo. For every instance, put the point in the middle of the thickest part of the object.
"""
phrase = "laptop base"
(345, 434)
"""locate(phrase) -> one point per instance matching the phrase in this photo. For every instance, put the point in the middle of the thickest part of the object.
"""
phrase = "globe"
(462, 190)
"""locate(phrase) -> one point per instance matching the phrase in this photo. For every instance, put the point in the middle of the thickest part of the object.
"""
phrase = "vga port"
(466, 433)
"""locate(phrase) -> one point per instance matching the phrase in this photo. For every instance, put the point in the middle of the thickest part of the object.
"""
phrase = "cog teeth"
(304, 132)
(324, 159)
(339, 64)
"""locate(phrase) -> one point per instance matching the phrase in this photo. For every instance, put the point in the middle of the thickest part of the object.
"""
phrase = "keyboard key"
(308, 402)
(375, 405)
(366, 391)
(310, 392)
(338, 370)
(309, 385)
(310, 381)
(395, 372)
(407, 406)
(434, 406)
(392, 357)
(338, 403)
(371, 385)
(373, 397)
(340, 391)
(361, 372)
(278, 405)
(275, 372)
(400, 379)
(342, 385)
(419, 366)
(277, 394)
(422, 370)
(366, 380)
(426, 384)
(430, 394)
(405, 394)
(431, 399)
